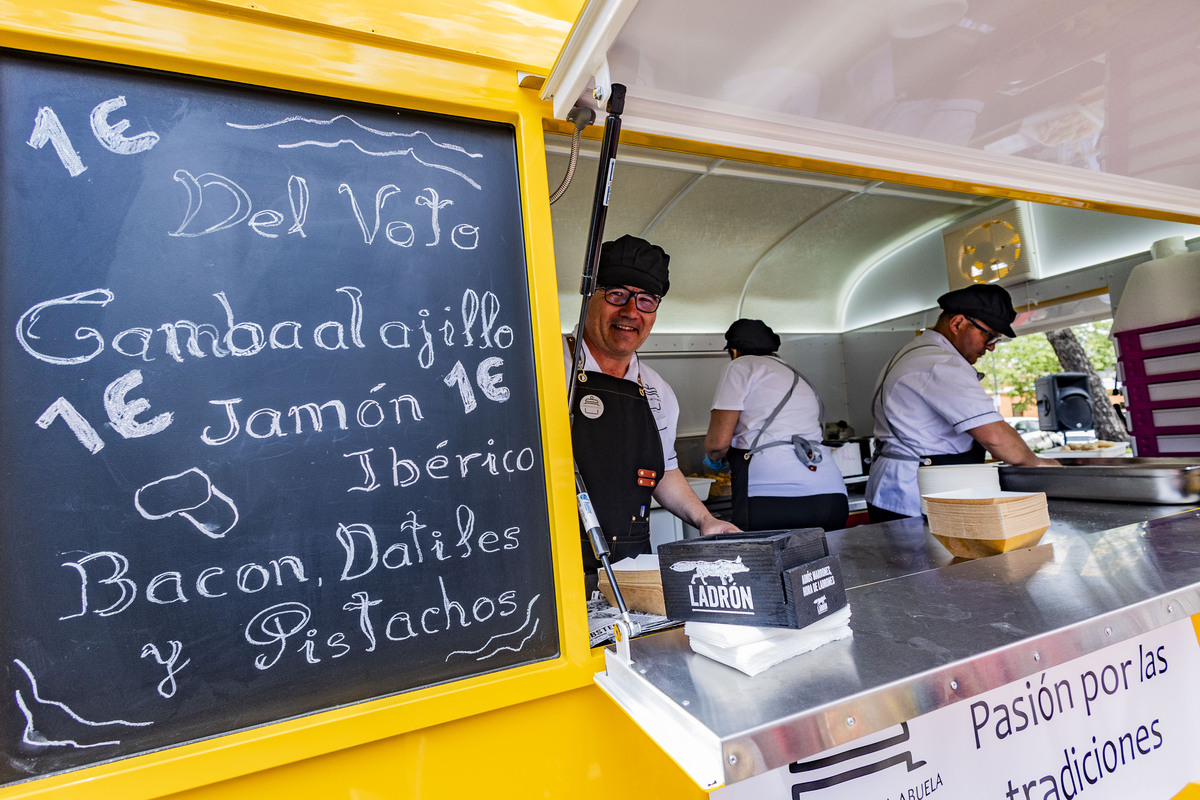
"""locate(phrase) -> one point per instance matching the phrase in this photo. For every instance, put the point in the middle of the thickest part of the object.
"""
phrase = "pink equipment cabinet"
(1159, 368)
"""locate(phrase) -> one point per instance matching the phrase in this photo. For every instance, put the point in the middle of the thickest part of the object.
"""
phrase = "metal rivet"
(732, 758)
(1170, 609)
(954, 685)
(642, 671)
(1037, 656)
(686, 703)
(1108, 631)
(850, 721)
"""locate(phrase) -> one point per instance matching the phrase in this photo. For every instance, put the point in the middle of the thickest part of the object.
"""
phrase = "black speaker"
(1064, 402)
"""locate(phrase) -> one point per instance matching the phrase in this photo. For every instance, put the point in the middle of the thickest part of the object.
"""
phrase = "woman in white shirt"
(766, 419)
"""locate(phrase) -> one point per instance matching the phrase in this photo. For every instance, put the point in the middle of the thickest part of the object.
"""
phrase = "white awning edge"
(585, 51)
(843, 144)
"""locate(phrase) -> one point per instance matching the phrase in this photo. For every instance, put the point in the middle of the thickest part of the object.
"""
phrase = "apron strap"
(754, 448)
(808, 453)
(976, 455)
(881, 399)
(878, 453)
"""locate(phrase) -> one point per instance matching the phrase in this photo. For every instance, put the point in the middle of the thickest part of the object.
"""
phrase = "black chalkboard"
(269, 434)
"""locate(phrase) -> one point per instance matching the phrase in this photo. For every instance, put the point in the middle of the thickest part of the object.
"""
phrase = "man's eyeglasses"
(993, 337)
(645, 302)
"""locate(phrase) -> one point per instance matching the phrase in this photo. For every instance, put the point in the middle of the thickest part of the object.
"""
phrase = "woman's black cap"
(752, 337)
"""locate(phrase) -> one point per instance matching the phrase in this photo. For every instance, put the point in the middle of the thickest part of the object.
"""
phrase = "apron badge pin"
(591, 406)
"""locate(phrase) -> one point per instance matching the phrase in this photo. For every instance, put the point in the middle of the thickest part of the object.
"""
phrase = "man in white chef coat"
(930, 409)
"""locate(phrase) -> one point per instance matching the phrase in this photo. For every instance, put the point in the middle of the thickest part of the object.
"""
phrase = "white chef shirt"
(661, 398)
(754, 385)
(929, 401)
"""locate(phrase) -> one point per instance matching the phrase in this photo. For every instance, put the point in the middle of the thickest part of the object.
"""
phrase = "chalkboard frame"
(543, 339)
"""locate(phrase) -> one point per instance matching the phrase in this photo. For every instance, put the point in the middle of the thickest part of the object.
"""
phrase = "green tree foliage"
(1014, 367)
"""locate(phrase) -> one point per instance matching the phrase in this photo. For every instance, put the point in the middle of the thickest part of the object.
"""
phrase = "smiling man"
(625, 414)
(929, 408)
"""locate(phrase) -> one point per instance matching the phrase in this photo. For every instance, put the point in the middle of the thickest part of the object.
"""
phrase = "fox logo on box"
(726, 596)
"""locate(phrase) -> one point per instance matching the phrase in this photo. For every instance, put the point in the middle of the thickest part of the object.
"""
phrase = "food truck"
(287, 492)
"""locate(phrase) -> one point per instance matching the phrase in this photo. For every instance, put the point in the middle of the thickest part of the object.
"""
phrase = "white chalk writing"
(48, 723)
(236, 402)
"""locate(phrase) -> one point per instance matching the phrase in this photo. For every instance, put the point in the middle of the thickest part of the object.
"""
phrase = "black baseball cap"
(986, 302)
(630, 261)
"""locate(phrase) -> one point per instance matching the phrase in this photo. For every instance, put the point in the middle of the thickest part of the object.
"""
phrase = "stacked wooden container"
(972, 523)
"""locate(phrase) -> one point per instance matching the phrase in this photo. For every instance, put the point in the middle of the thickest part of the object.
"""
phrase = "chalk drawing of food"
(190, 495)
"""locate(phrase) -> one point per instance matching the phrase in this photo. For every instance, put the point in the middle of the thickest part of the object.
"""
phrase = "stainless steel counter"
(927, 631)
(872, 553)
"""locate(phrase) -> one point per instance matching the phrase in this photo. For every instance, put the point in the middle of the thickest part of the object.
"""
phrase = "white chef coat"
(659, 395)
(929, 401)
(754, 385)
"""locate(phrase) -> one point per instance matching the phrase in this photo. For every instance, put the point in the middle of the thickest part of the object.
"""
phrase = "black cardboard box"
(765, 578)
(814, 590)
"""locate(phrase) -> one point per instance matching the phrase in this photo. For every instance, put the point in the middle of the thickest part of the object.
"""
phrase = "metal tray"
(1129, 480)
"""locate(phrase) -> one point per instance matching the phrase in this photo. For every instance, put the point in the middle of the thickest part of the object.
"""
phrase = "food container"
(977, 523)
(1130, 480)
(700, 484)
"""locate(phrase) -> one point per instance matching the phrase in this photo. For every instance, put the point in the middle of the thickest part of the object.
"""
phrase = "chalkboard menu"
(269, 434)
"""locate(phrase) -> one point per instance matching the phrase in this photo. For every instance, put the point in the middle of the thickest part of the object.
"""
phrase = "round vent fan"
(989, 251)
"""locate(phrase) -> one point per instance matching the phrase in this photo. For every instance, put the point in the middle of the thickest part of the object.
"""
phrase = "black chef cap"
(751, 337)
(986, 302)
(630, 261)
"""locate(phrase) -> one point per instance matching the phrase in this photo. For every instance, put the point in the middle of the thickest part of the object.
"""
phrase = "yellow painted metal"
(527, 33)
(569, 746)
(348, 55)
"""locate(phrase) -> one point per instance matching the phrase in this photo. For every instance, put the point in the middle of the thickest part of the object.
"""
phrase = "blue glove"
(715, 466)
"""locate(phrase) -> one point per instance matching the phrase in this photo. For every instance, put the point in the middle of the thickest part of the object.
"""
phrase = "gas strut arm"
(604, 174)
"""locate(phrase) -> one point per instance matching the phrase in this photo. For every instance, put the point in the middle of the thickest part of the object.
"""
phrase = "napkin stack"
(753, 650)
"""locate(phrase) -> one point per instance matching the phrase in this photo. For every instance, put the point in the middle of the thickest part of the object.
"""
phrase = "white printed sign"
(1122, 722)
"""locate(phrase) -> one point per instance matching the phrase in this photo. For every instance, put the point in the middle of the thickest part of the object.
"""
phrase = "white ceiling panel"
(1095, 100)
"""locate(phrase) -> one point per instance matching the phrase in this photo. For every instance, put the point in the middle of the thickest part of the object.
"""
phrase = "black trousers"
(825, 511)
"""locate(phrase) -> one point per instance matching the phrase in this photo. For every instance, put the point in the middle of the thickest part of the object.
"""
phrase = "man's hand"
(713, 525)
(1004, 443)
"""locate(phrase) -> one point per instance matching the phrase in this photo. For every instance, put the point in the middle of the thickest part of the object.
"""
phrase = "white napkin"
(752, 649)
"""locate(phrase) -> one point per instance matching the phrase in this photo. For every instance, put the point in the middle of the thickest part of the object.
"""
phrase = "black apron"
(739, 485)
(976, 455)
(619, 455)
